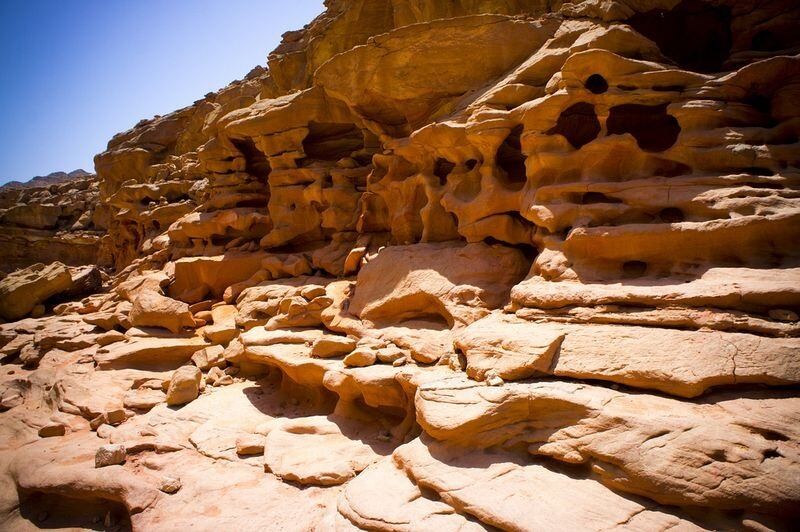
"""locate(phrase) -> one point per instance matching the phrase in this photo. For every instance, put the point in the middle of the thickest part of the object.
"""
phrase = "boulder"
(330, 346)
(151, 309)
(109, 454)
(23, 290)
(184, 385)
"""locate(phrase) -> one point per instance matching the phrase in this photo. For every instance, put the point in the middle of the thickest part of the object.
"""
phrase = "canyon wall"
(518, 265)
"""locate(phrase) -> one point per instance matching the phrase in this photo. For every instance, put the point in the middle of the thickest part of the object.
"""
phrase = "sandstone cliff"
(51, 218)
(470, 265)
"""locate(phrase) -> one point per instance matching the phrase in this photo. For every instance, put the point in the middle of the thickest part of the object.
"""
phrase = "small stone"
(214, 374)
(456, 362)
(225, 380)
(52, 429)
(360, 358)
(184, 386)
(231, 370)
(109, 454)
(250, 444)
(170, 485)
(97, 421)
(38, 311)
(493, 379)
(115, 417)
(104, 431)
(399, 362)
(779, 314)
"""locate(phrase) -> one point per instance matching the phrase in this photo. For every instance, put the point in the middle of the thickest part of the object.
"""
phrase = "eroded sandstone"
(458, 265)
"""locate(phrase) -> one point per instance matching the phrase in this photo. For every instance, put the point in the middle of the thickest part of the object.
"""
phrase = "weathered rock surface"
(52, 218)
(442, 265)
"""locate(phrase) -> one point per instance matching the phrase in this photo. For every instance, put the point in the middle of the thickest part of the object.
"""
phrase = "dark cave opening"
(256, 163)
(511, 159)
(331, 142)
(442, 168)
(578, 123)
(695, 34)
(596, 84)
(651, 126)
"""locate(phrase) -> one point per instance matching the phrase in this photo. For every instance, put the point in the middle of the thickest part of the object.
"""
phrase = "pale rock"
(109, 454)
(360, 358)
(184, 385)
(330, 346)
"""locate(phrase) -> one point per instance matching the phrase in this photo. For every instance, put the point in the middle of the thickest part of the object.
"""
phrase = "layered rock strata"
(54, 218)
(467, 265)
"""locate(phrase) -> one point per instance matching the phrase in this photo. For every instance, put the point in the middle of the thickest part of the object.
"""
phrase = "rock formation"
(514, 265)
(51, 218)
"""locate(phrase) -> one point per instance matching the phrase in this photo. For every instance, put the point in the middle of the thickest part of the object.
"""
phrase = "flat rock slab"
(322, 450)
(149, 352)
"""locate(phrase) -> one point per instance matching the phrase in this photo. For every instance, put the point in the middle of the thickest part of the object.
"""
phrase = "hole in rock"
(578, 123)
(760, 103)
(596, 84)
(442, 168)
(771, 453)
(597, 197)
(671, 215)
(766, 41)
(51, 511)
(511, 159)
(255, 162)
(331, 142)
(650, 125)
(718, 455)
(429, 493)
(634, 268)
(770, 435)
(668, 88)
(253, 203)
(471, 163)
(694, 34)
(668, 168)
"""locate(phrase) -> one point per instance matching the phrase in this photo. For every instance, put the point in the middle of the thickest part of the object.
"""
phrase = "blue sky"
(74, 72)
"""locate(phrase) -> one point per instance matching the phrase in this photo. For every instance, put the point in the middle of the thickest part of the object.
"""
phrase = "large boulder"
(151, 309)
(447, 282)
(23, 290)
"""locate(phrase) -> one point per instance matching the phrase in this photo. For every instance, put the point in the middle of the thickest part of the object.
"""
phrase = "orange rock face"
(460, 265)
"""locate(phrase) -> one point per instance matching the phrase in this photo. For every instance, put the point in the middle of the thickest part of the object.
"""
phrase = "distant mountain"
(46, 180)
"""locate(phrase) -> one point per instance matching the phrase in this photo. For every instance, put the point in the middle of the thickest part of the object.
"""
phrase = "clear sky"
(75, 72)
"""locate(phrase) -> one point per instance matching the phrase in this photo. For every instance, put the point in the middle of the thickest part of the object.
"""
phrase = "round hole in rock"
(471, 163)
(578, 123)
(596, 84)
(671, 215)
(634, 268)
